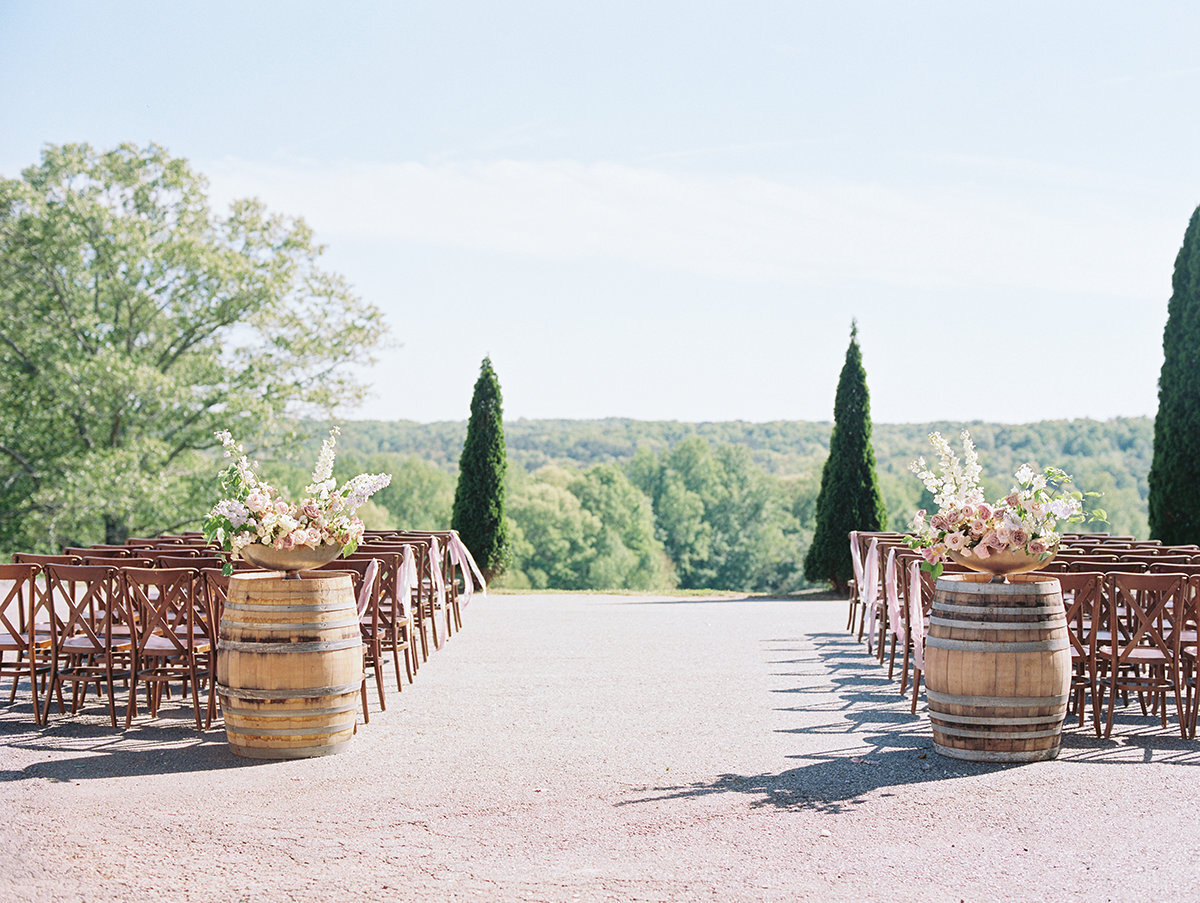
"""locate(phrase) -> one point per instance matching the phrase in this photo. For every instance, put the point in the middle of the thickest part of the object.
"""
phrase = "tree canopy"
(479, 499)
(137, 322)
(1174, 501)
(849, 498)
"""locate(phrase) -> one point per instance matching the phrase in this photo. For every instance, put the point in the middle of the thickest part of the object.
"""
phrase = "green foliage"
(137, 322)
(849, 498)
(723, 522)
(420, 496)
(478, 513)
(1174, 500)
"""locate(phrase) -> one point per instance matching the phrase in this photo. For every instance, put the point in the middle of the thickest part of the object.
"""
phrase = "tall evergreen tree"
(849, 498)
(1174, 500)
(479, 498)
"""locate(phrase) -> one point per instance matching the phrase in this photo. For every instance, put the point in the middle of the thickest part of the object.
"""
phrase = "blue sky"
(673, 210)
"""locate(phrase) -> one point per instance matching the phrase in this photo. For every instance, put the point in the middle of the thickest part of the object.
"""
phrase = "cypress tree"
(479, 497)
(849, 498)
(1174, 498)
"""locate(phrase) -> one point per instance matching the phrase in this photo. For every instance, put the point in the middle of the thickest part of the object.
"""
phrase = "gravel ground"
(603, 748)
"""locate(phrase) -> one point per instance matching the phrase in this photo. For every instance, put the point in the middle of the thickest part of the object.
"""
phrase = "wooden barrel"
(997, 668)
(289, 665)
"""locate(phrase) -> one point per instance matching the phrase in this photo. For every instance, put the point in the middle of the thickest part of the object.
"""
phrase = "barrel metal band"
(996, 719)
(1050, 624)
(296, 693)
(1000, 609)
(271, 648)
(289, 625)
(1053, 645)
(243, 715)
(315, 731)
(287, 606)
(999, 735)
(988, 755)
(995, 701)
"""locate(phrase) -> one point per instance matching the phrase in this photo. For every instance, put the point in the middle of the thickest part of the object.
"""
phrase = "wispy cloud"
(959, 236)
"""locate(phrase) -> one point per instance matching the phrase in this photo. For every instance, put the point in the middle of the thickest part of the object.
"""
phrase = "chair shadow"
(888, 746)
(169, 744)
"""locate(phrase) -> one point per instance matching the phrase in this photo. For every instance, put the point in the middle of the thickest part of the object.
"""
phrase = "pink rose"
(956, 541)
(1019, 536)
(939, 522)
(984, 511)
(981, 551)
(977, 527)
(968, 512)
(1038, 547)
(1012, 500)
(286, 542)
(311, 509)
(314, 537)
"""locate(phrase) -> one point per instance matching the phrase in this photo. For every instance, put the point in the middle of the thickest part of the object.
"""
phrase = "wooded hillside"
(653, 504)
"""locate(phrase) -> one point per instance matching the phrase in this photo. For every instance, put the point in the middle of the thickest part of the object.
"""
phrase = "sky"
(673, 210)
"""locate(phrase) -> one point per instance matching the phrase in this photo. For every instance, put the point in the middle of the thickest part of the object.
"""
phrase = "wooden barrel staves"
(997, 668)
(289, 665)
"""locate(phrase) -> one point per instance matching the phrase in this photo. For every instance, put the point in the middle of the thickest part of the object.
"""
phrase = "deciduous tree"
(136, 322)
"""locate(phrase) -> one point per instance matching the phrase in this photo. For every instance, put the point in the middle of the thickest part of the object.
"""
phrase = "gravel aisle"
(575, 747)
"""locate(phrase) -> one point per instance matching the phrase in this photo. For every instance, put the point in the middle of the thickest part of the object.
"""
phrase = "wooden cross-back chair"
(93, 638)
(1136, 649)
(21, 610)
(173, 638)
(397, 625)
(1083, 597)
(364, 574)
(424, 583)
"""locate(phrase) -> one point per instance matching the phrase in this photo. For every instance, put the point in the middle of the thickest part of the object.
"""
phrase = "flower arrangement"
(253, 511)
(1025, 520)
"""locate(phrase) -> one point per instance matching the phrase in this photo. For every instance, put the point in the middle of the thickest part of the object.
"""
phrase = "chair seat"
(160, 645)
(83, 645)
(10, 644)
(1137, 656)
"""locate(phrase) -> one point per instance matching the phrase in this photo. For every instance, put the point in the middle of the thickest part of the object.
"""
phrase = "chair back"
(35, 558)
(1083, 596)
(118, 563)
(86, 601)
(1143, 611)
(99, 551)
(19, 602)
(165, 601)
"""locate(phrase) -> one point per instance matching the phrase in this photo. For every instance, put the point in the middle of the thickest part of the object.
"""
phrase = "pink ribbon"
(870, 590)
(856, 561)
(460, 556)
(916, 615)
(405, 581)
(439, 586)
(891, 591)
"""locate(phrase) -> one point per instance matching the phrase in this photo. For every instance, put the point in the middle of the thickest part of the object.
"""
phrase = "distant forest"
(627, 504)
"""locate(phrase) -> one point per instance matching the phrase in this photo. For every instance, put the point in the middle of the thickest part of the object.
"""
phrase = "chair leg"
(916, 688)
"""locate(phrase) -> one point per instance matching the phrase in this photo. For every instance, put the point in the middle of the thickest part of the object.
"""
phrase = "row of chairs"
(408, 588)
(1131, 610)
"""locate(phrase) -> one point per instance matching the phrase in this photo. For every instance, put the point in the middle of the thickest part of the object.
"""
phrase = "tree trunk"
(115, 531)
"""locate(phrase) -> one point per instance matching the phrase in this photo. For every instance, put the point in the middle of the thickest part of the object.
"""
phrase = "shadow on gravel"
(886, 746)
(87, 747)
(837, 689)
